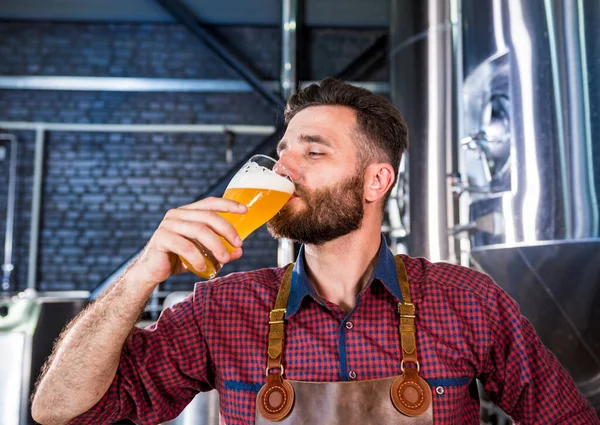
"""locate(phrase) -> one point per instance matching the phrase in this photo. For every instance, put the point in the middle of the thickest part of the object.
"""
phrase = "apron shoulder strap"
(406, 309)
(277, 319)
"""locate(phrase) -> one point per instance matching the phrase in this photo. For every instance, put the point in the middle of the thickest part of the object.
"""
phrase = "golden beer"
(264, 192)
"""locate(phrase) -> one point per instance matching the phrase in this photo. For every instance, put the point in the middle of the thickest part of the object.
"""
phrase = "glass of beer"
(264, 186)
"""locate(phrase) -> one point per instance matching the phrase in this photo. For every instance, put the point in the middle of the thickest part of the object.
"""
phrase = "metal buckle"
(407, 316)
(276, 310)
(280, 368)
(416, 362)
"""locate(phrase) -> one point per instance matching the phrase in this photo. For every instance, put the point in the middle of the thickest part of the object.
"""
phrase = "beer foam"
(254, 176)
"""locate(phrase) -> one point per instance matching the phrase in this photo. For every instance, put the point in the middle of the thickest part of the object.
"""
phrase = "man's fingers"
(185, 248)
(211, 219)
(236, 254)
(196, 231)
(218, 205)
(201, 233)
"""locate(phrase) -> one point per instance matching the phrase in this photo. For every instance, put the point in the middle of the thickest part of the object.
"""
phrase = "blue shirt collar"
(385, 271)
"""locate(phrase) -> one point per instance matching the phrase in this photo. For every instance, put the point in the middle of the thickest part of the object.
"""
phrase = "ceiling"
(336, 13)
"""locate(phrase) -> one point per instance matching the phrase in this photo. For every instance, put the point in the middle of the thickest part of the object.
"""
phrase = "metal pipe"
(8, 265)
(288, 50)
(422, 88)
(259, 130)
(36, 205)
(186, 17)
(74, 83)
(458, 209)
(285, 247)
(584, 213)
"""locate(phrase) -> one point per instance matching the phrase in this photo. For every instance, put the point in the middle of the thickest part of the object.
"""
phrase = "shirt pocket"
(455, 400)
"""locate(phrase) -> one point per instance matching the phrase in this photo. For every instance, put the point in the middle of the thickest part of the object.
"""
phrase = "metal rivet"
(352, 374)
(349, 325)
(439, 390)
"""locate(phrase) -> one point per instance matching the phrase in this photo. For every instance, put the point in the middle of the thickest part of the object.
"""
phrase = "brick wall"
(169, 51)
(104, 194)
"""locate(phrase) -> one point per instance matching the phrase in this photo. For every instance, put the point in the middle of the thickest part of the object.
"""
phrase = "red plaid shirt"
(467, 328)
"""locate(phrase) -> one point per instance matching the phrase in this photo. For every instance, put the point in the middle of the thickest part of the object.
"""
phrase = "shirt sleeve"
(162, 368)
(522, 376)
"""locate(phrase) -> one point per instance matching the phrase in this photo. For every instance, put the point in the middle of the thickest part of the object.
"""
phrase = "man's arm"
(86, 357)
(522, 376)
(85, 360)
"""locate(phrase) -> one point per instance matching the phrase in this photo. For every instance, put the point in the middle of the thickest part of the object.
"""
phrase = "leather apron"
(397, 400)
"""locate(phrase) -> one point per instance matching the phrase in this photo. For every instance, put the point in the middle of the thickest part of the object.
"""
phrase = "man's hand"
(179, 234)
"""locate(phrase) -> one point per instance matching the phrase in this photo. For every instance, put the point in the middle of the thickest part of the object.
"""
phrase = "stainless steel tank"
(526, 160)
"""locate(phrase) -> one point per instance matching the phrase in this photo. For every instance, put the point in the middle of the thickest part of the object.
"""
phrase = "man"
(340, 322)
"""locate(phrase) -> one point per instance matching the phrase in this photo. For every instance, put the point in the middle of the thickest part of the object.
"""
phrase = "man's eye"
(315, 153)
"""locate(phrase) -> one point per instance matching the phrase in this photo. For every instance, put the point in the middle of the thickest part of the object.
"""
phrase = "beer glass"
(264, 186)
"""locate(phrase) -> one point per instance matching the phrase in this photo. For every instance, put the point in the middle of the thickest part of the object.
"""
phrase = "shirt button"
(352, 374)
(349, 325)
(439, 390)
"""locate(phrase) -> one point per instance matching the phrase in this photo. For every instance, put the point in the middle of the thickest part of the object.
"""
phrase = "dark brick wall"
(169, 51)
(104, 194)
(129, 181)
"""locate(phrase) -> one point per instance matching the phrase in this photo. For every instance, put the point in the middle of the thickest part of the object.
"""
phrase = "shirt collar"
(385, 271)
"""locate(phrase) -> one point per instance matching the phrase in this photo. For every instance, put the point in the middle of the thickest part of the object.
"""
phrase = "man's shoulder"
(446, 276)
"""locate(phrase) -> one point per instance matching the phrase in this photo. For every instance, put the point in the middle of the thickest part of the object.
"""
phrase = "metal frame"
(372, 56)
(188, 18)
(40, 140)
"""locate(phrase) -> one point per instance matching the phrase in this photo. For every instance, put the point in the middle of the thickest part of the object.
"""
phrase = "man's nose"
(287, 166)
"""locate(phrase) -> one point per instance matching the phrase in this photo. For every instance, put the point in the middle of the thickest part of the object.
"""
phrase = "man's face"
(319, 151)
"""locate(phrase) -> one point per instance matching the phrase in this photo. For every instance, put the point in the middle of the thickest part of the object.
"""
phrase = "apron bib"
(397, 400)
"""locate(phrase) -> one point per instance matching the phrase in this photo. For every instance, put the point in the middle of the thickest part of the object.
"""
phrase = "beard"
(329, 213)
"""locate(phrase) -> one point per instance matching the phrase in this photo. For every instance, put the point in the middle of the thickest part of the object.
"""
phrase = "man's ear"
(379, 177)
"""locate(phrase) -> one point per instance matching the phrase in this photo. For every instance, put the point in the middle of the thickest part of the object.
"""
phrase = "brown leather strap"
(277, 319)
(275, 399)
(406, 309)
(402, 279)
(410, 393)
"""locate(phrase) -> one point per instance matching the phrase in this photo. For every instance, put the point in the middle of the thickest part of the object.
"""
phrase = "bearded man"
(349, 334)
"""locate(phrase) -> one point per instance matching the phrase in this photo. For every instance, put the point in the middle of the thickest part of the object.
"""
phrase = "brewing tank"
(525, 161)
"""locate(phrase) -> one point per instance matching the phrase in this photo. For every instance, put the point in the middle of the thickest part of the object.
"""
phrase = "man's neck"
(340, 269)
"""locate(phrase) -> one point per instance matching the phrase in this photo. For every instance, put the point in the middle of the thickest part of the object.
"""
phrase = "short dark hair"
(383, 131)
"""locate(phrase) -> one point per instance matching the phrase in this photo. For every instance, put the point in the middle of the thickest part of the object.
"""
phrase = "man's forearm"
(86, 357)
